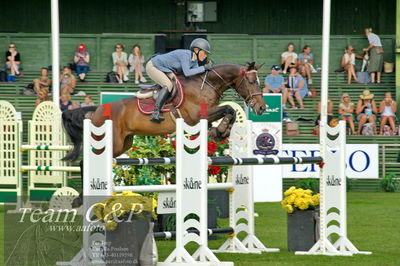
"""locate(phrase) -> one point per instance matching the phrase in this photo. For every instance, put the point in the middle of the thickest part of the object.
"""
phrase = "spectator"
(288, 58)
(366, 110)
(136, 61)
(82, 59)
(87, 102)
(65, 101)
(67, 81)
(42, 82)
(42, 96)
(329, 114)
(375, 55)
(120, 61)
(388, 108)
(349, 63)
(274, 83)
(346, 110)
(74, 105)
(306, 63)
(13, 59)
(297, 88)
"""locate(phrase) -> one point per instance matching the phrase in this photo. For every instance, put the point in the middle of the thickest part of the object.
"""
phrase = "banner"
(362, 160)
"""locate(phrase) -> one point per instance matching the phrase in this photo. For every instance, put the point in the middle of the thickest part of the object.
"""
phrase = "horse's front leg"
(223, 130)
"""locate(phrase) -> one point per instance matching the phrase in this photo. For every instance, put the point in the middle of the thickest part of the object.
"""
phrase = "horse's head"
(247, 85)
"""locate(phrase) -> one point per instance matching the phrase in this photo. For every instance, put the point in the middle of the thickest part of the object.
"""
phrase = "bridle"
(250, 101)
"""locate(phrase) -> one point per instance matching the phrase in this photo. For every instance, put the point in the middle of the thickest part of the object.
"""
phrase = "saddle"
(146, 97)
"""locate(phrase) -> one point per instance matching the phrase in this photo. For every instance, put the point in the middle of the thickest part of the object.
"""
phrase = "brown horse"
(203, 88)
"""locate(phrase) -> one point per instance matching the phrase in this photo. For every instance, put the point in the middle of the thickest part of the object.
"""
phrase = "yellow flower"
(291, 199)
(289, 208)
(111, 225)
(289, 191)
(308, 192)
(315, 200)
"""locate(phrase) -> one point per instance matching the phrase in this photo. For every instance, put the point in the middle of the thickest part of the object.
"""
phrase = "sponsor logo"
(169, 203)
(190, 184)
(241, 180)
(265, 143)
(333, 181)
(97, 184)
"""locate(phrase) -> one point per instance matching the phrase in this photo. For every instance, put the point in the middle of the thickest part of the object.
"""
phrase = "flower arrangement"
(124, 206)
(300, 199)
(146, 147)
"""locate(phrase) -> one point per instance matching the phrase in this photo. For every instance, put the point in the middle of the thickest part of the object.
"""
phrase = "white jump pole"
(55, 43)
(326, 20)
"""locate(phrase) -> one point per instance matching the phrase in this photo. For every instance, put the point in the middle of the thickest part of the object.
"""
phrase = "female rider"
(181, 61)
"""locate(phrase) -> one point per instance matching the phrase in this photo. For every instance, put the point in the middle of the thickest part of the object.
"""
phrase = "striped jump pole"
(46, 148)
(210, 231)
(224, 160)
(26, 168)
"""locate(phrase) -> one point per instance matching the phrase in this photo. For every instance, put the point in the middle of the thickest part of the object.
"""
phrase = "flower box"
(302, 228)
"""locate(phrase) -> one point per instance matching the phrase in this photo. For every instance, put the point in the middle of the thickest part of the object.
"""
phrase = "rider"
(180, 61)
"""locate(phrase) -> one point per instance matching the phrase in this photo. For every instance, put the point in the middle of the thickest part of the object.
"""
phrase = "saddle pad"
(146, 106)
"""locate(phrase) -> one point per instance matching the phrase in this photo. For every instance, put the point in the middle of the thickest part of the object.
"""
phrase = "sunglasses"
(118, 47)
(11, 46)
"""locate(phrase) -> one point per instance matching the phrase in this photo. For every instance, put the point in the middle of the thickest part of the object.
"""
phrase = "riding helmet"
(201, 44)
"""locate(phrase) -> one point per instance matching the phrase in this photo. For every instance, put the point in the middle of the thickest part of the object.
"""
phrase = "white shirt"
(285, 55)
(350, 58)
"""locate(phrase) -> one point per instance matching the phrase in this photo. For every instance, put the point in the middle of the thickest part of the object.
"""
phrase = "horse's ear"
(250, 65)
(259, 66)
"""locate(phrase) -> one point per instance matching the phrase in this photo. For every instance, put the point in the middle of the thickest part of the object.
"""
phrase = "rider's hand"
(208, 66)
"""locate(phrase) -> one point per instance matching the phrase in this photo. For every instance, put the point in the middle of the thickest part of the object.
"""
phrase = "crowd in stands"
(296, 68)
(296, 87)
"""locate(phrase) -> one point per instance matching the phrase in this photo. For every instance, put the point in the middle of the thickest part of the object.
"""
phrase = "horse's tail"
(73, 126)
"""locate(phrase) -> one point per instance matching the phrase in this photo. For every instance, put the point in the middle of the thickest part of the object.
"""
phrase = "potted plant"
(129, 232)
(302, 208)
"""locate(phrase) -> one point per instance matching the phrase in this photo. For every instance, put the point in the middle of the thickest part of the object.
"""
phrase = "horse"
(202, 89)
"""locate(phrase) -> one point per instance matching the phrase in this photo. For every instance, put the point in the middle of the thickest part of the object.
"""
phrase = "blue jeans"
(82, 69)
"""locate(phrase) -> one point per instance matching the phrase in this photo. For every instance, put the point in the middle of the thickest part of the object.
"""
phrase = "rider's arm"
(187, 71)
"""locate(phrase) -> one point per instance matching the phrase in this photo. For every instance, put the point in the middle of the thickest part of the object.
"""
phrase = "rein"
(249, 99)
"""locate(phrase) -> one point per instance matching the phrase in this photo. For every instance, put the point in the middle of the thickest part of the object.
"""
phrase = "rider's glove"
(208, 66)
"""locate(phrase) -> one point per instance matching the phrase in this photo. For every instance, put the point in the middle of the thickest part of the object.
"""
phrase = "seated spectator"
(329, 114)
(349, 63)
(388, 108)
(82, 59)
(87, 102)
(120, 62)
(65, 101)
(42, 96)
(136, 61)
(346, 110)
(297, 88)
(42, 82)
(13, 59)
(67, 81)
(306, 63)
(274, 83)
(288, 58)
(366, 110)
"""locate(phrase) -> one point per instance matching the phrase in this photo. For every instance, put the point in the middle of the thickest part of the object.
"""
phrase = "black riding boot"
(161, 99)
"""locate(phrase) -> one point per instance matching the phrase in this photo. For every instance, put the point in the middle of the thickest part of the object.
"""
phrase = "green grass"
(373, 225)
